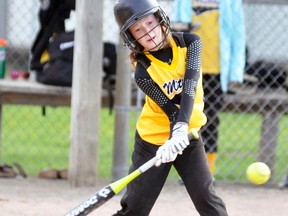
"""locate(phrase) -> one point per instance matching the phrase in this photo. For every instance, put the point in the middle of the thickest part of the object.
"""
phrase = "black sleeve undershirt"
(191, 77)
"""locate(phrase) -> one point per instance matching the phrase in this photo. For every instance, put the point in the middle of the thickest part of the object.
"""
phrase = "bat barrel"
(93, 202)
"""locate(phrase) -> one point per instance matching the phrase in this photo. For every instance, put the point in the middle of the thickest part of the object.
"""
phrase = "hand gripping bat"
(109, 191)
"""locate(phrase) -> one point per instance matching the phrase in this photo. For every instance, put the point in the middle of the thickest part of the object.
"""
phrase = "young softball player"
(168, 70)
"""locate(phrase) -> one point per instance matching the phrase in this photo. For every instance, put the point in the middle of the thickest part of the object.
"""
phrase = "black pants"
(213, 98)
(141, 194)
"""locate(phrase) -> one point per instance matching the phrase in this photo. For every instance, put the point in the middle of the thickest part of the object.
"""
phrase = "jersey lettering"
(173, 86)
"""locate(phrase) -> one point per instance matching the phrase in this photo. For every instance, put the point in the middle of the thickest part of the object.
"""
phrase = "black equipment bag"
(58, 70)
(52, 16)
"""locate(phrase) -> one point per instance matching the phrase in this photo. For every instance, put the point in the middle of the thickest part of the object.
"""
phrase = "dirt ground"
(37, 197)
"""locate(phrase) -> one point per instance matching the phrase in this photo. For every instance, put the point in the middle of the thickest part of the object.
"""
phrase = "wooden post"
(86, 93)
(122, 113)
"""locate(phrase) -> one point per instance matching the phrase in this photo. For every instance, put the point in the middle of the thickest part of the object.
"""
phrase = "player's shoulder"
(190, 37)
(141, 68)
(186, 38)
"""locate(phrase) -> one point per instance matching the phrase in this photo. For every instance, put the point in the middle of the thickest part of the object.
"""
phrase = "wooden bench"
(33, 93)
(272, 104)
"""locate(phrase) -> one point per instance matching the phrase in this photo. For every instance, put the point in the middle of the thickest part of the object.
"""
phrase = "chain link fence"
(38, 140)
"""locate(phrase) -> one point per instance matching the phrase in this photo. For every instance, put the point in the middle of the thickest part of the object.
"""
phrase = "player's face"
(148, 33)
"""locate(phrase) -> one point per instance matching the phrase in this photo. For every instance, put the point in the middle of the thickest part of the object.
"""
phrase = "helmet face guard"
(128, 12)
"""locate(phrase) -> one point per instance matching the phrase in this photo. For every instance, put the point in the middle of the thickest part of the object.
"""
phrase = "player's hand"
(174, 146)
(165, 154)
(179, 138)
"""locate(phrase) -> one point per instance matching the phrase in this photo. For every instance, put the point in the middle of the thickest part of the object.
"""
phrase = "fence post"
(122, 113)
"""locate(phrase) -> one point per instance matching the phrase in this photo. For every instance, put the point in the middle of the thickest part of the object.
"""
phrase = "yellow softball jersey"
(153, 124)
(205, 20)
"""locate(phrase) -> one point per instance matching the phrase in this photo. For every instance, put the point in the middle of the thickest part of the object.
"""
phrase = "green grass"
(239, 138)
(33, 140)
(37, 142)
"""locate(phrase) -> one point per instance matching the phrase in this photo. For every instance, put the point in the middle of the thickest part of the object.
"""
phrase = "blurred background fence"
(38, 140)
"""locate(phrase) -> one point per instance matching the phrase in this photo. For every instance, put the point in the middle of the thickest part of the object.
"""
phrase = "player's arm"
(179, 138)
(152, 90)
(191, 77)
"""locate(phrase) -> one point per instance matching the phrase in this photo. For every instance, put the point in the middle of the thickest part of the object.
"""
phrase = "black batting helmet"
(128, 12)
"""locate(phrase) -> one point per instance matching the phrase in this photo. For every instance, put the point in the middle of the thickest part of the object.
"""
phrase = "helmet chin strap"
(156, 45)
(159, 45)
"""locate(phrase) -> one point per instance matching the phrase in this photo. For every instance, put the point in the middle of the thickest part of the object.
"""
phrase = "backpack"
(53, 65)
(58, 69)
